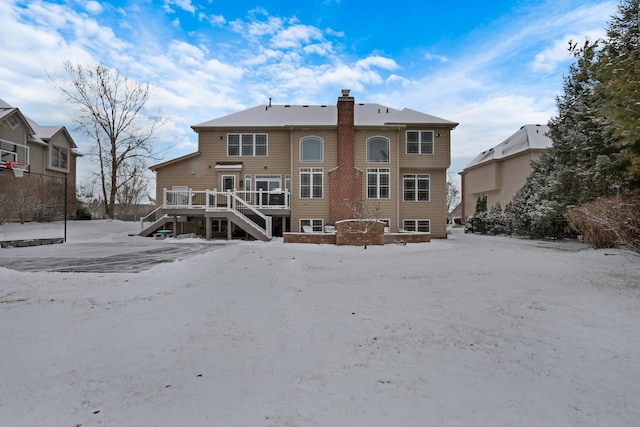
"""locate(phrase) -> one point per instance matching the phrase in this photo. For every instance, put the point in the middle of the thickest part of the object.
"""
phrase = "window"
(421, 225)
(378, 180)
(311, 149)
(218, 225)
(315, 224)
(247, 144)
(13, 121)
(59, 157)
(247, 188)
(416, 187)
(419, 142)
(311, 183)
(378, 150)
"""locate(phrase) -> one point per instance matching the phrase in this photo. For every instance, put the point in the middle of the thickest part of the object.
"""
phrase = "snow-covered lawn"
(468, 331)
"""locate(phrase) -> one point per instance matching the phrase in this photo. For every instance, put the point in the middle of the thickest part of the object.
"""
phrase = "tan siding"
(498, 180)
(16, 134)
(198, 172)
(312, 208)
(434, 209)
(387, 207)
(38, 158)
(441, 157)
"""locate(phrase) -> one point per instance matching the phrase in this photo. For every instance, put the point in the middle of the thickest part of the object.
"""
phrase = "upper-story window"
(419, 142)
(378, 150)
(247, 144)
(59, 157)
(311, 149)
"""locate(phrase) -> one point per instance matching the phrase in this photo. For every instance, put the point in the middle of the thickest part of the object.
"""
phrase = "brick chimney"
(345, 181)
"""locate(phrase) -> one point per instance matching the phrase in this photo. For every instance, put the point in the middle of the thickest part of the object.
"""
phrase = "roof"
(322, 115)
(37, 133)
(172, 161)
(46, 133)
(528, 137)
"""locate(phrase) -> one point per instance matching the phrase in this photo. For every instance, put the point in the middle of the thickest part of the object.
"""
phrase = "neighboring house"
(502, 170)
(280, 168)
(44, 151)
(455, 216)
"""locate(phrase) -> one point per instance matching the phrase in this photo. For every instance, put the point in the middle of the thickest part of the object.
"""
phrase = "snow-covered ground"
(468, 331)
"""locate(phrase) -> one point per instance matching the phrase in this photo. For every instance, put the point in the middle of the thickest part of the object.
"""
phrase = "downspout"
(291, 174)
(398, 183)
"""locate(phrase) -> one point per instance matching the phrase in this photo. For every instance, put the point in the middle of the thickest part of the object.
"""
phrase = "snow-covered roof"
(321, 115)
(37, 133)
(528, 137)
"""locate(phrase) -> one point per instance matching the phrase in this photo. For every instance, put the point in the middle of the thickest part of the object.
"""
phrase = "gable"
(527, 138)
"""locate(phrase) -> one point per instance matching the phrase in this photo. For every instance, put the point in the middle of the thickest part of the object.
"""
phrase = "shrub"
(609, 222)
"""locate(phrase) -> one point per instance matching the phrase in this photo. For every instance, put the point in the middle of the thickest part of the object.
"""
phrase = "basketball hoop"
(19, 168)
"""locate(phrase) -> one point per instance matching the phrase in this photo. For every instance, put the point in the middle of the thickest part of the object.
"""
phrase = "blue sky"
(491, 66)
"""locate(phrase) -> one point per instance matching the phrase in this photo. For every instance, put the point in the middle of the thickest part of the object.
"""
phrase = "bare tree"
(133, 188)
(111, 113)
(366, 217)
(453, 193)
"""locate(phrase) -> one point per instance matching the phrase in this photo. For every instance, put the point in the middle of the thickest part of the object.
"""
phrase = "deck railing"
(220, 199)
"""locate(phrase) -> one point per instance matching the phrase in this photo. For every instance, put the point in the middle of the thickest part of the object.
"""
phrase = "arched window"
(378, 150)
(311, 149)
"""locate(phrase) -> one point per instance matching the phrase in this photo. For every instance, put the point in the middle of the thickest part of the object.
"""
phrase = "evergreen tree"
(619, 74)
(596, 133)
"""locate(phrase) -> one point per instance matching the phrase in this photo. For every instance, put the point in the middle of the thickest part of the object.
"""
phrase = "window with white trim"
(247, 144)
(378, 183)
(312, 149)
(59, 157)
(421, 225)
(247, 188)
(311, 183)
(316, 224)
(419, 142)
(415, 187)
(378, 149)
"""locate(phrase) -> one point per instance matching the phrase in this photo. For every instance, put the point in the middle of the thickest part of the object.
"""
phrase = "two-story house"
(43, 159)
(501, 171)
(300, 167)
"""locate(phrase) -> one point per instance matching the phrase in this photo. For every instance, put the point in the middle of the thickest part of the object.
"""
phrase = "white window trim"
(248, 195)
(313, 222)
(415, 224)
(378, 172)
(60, 149)
(253, 135)
(388, 149)
(321, 149)
(311, 172)
(420, 153)
(416, 178)
(222, 178)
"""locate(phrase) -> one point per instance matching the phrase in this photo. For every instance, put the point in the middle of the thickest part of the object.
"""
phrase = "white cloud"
(377, 62)
(558, 54)
(280, 57)
(295, 36)
(185, 5)
(93, 7)
(215, 20)
(433, 57)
